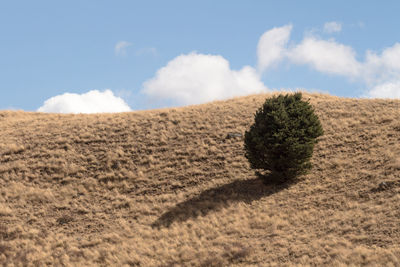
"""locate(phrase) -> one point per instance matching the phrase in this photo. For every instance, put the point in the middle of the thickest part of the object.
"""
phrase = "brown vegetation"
(172, 187)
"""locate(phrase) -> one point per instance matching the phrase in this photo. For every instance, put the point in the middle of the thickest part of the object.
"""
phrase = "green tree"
(281, 140)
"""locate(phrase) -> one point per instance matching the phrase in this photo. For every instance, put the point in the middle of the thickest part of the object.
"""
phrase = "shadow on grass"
(218, 198)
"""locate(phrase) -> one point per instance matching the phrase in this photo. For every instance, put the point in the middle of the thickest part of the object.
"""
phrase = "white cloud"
(91, 102)
(386, 90)
(333, 26)
(379, 72)
(120, 48)
(382, 72)
(385, 66)
(271, 47)
(326, 56)
(198, 78)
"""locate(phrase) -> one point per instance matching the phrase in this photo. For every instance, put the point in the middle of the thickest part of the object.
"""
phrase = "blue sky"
(150, 54)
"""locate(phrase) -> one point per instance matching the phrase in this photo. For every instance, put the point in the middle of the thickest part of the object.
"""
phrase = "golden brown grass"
(167, 188)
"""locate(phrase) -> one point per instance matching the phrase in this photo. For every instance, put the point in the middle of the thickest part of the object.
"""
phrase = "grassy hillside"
(167, 187)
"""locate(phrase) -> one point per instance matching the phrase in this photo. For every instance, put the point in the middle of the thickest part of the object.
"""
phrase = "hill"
(172, 187)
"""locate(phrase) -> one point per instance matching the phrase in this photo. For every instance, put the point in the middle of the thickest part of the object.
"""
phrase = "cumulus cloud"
(196, 78)
(323, 55)
(326, 56)
(379, 72)
(120, 48)
(382, 72)
(384, 66)
(271, 47)
(332, 27)
(386, 90)
(91, 102)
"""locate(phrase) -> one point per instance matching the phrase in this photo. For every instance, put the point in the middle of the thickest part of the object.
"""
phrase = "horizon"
(99, 56)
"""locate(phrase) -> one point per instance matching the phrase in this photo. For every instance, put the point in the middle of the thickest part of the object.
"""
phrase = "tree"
(281, 140)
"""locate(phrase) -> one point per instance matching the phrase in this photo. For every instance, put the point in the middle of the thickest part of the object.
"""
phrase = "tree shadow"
(217, 198)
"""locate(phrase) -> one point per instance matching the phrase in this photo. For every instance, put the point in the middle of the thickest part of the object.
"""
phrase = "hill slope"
(167, 187)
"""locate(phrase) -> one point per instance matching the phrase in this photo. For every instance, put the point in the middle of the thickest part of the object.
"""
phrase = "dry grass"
(166, 187)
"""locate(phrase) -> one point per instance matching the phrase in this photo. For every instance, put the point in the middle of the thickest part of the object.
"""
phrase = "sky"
(114, 56)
